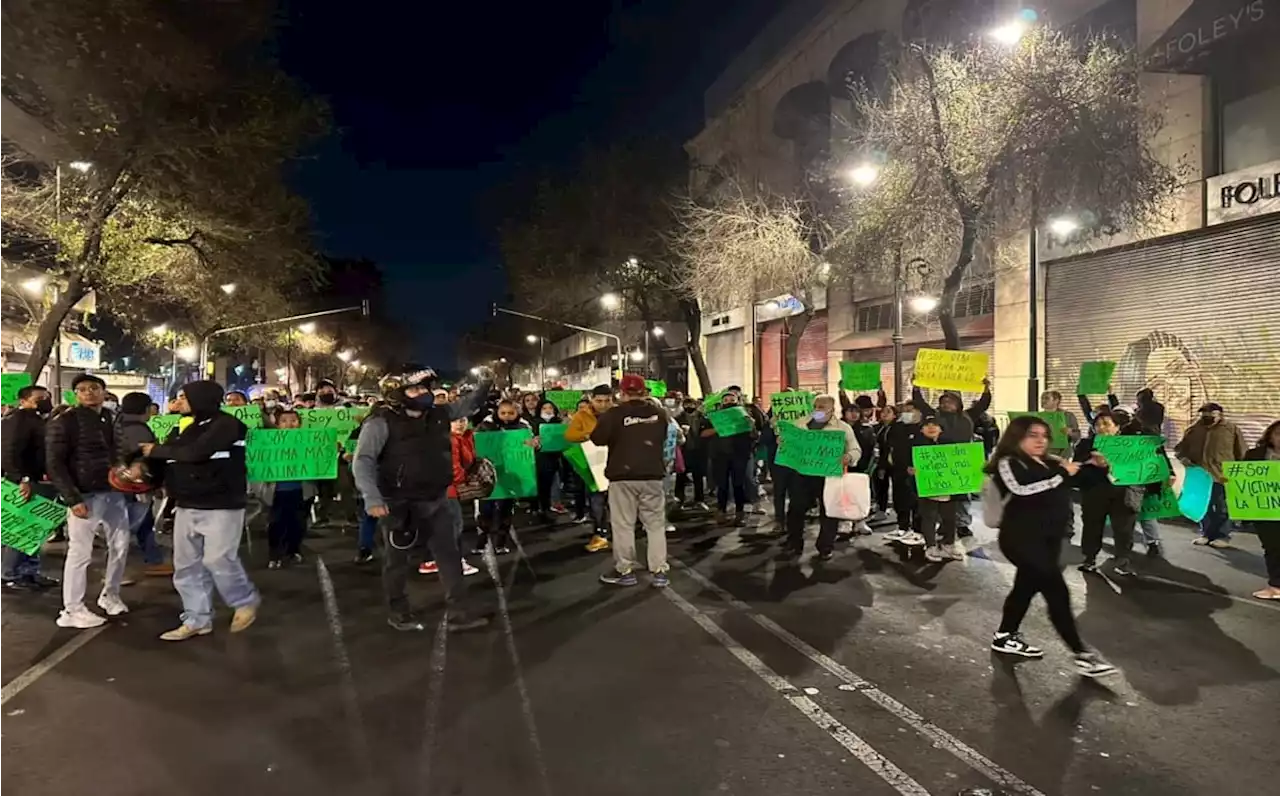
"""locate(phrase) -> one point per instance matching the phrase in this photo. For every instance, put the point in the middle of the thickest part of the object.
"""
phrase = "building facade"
(1189, 309)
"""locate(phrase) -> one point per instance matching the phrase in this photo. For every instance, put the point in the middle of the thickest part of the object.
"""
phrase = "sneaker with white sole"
(954, 552)
(1015, 644)
(428, 568)
(184, 632)
(112, 604)
(895, 535)
(1091, 664)
(467, 569)
(80, 618)
(933, 553)
(912, 538)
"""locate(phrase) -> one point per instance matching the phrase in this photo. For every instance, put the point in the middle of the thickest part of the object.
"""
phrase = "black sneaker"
(19, 585)
(1154, 550)
(1014, 644)
(578, 519)
(364, 555)
(826, 556)
(1121, 566)
(964, 533)
(405, 622)
(1088, 565)
(462, 623)
(740, 520)
(44, 582)
(1091, 664)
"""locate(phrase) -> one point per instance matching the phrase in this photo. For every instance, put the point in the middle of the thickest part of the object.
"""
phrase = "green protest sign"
(948, 469)
(161, 425)
(565, 400)
(1160, 506)
(249, 414)
(1095, 378)
(552, 436)
(791, 405)
(811, 452)
(1253, 490)
(512, 456)
(10, 383)
(730, 422)
(350, 444)
(69, 397)
(1057, 421)
(26, 525)
(341, 419)
(1134, 460)
(712, 401)
(857, 376)
(658, 389)
(291, 454)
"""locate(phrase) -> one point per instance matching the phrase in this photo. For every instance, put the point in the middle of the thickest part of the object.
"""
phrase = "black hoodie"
(206, 465)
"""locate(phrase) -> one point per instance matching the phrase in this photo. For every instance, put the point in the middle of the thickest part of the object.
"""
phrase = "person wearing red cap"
(635, 432)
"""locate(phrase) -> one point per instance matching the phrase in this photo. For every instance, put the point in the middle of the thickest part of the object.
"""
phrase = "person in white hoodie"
(805, 489)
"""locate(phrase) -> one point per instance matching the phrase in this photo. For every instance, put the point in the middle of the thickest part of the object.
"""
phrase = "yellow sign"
(950, 370)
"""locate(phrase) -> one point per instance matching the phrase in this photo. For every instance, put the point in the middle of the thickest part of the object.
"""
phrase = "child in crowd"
(935, 511)
(900, 437)
(495, 515)
(289, 503)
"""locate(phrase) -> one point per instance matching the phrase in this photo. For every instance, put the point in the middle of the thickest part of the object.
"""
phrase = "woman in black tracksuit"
(1037, 516)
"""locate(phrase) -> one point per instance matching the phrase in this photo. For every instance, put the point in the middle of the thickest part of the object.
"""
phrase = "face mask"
(910, 417)
(270, 404)
(329, 398)
(421, 402)
(109, 405)
(669, 403)
(691, 408)
(819, 416)
(1206, 420)
(548, 415)
(44, 406)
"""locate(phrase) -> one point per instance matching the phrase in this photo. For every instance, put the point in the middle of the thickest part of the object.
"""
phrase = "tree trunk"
(693, 343)
(951, 287)
(796, 325)
(47, 336)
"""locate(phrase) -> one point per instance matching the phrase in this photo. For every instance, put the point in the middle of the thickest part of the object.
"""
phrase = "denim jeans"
(106, 509)
(1215, 524)
(142, 525)
(368, 529)
(18, 565)
(1150, 531)
(206, 555)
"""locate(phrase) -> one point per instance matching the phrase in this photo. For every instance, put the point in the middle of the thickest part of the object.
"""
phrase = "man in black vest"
(403, 467)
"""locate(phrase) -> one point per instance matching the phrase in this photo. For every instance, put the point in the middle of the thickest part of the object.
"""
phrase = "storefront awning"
(1206, 27)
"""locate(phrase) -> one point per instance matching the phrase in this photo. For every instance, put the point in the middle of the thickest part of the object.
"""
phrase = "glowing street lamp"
(658, 331)
(1011, 32)
(80, 165)
(610, 301)
(863, 174)
(345, 356)
(161, 329)
(229, 288)
(34, 285)
(637, 356)
(553, 372)
(533, 338)
(475, 371)
(307, 328)
(188, 352)
(1063, 226)
(923, 304)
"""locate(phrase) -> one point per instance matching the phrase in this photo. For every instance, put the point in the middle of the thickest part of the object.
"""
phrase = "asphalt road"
(869, 674)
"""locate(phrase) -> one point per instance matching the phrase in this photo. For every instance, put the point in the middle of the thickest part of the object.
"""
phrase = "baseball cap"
(632, 383)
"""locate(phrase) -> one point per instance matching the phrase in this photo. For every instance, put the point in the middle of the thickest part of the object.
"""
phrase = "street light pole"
(897, 327)
(1033, 363)
(362, 308)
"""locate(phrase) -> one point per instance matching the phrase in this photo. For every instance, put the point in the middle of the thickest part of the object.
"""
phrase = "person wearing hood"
(327, 396)
(206, 479)
(1210, 444)
(547, 464)
(23, 464)
(1268, 450)
(496, 515)
(808, 489)
(1149, 412)
(694, 453)
(403, 469)
(80, 449)
(132, 432)
(899, 440)
(1088, 410)
(957, 426)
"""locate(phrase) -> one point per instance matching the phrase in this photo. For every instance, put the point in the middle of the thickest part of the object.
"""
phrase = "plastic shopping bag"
(848, 497)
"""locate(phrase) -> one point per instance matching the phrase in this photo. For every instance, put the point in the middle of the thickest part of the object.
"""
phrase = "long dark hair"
(1010, 443)
(1264, 441)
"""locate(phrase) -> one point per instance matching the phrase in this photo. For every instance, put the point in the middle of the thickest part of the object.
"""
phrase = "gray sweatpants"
(627, 499)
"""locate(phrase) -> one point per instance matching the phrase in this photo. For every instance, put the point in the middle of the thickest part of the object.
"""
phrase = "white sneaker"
(844, 528)
(80, 618)
(912, 538)
(467, 569)
(955, 552)
(112, 604)
(861, 528)
(895, 535)
(933, 553)
(670, 528)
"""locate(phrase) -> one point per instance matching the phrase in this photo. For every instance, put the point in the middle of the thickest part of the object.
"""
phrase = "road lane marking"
(22, 681)
(350, 698)
(880, 765)
(938, 736)
(435, 694)
(526, 704)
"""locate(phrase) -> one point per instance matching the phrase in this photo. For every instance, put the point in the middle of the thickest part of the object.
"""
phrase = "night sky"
(438, 106)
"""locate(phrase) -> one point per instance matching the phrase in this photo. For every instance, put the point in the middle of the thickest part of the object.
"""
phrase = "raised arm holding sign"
(950, 370)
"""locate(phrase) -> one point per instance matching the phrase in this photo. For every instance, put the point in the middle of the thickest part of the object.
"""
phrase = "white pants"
(106, 509)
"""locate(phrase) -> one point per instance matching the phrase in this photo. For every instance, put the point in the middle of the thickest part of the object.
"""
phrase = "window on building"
(976, 300)
(875, 316)
(1247, 90)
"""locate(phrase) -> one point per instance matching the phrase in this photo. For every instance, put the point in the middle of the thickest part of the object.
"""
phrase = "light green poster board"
(658, 389)
(712, 401)
(948, 469)
(249, 414)
(730, 422)
(10, 383)
(1060, 441)
(512, 457)
(342, 419)
(1161, 506)
(811, 452)
(552, 436)
(161, 425)
(1095, 378)
(1253, 490)
(791, 405)
(69, 397)
(26, 525)
(859, 376)
(293, 454)
(1134, 460)
(565, 400)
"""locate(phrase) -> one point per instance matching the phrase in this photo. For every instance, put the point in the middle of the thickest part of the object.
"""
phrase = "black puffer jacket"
(23, 441)
(80, 447)
(205, 464)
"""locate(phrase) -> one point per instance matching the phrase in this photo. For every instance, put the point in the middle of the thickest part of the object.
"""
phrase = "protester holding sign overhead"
(206, 478)
(806, 489)
(1035, 519)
